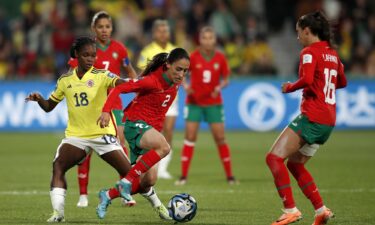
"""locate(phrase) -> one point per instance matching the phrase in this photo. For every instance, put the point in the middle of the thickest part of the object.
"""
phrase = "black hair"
(162, 58)
(79, 43)
(318, 24)
(100, 15)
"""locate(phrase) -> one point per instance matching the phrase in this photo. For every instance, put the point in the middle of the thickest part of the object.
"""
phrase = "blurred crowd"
(35, 42)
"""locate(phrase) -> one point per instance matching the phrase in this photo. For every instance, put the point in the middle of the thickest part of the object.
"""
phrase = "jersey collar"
(84, 75)
(207, 57)
(166, 79)
(103, 47)
(319, 44)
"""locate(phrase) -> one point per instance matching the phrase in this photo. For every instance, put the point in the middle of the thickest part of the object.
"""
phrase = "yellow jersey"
(85, 98)
(150, 51)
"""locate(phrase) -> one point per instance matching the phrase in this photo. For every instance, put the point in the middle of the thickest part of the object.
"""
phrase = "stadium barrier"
(249, 104)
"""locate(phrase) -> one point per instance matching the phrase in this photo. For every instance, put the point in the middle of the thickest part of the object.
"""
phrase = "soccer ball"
(182, 207)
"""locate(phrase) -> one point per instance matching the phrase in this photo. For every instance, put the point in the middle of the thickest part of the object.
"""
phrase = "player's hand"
(216, 91)
(284, 87)
(36, 97)
(104, 119)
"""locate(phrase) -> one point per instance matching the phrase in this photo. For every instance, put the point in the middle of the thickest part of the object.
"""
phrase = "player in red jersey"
(320, 74)
(209, 74)
(111, 55)
(144, 116)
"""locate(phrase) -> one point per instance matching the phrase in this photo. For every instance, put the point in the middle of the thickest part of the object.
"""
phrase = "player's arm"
(46, 105)
(306, 78)
(129, 70)
(123, 86)
(341, 79)
(187, 86)
(225, 77)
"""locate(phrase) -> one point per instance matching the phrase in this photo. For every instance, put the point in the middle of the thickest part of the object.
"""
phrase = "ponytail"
(162, 59)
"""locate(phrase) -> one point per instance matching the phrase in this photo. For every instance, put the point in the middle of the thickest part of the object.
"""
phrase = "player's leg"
(120, 162)
(147, 190)
(192, 115)
(285, 145)
(168, 129)
(119, 114)
(158, 149)
(83, 170)
(66, 157)
(218, 133)
(313, 133)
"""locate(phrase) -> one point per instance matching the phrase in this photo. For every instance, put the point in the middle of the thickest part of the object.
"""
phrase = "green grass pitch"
(344, 170)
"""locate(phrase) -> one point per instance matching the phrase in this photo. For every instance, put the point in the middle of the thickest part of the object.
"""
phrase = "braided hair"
(79, 43)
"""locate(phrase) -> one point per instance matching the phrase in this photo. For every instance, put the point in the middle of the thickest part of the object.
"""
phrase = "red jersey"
(155, 94)
(112, 57)
(205, 76)
(320, 74)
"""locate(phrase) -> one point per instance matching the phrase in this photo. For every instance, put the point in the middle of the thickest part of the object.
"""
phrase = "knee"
(220, 140)
(273, 161)
(58, 166)
(294, 166)
(165, 148)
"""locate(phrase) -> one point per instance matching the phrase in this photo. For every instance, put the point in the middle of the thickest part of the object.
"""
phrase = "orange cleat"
(288, 218)
(323, 217)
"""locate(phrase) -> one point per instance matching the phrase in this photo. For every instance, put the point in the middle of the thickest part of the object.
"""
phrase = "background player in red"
(156, 89)
(320, 74)
(209, 74)
(111, 55)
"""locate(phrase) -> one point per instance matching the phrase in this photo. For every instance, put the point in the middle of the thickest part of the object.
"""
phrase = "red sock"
(186, 157)
(224, 152)
(306, 183)
(114, 193)
(144, 164)
(83, 175)
(281, 178)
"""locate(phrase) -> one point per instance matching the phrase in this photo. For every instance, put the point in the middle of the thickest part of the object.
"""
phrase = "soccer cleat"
(83, 201)
(323, 217)
(125, 187)
(288, 218)
(104, 202)
(232, 181)
(180, 182)
(163, 212)
(56, 217)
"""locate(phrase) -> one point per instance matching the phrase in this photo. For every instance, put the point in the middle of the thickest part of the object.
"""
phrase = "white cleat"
(83, 201)
(56, 218)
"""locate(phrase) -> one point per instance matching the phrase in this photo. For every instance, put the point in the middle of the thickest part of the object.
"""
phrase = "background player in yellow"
(161, 43)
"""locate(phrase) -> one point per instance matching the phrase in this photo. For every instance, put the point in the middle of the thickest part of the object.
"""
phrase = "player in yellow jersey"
(85, 90)
(161, 36)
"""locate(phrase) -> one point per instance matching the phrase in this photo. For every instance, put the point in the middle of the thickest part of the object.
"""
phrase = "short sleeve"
(58, 94)
(110, 79)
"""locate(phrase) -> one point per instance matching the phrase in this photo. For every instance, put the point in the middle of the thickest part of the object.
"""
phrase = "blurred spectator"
(258, 58)
(370, 70)
(224, 22)
(234, 51)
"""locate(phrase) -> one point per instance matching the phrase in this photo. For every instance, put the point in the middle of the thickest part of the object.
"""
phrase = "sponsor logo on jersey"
(90, 83)
(216, 66)
(306, 58)
(115, 55)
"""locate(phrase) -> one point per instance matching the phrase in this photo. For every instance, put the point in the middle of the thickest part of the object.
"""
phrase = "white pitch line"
(218, 191)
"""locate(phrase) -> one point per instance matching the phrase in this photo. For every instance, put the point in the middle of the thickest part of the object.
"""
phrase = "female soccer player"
(209, 74)
(156, 89)
(320, 74)
(85, 90)
(111, 55)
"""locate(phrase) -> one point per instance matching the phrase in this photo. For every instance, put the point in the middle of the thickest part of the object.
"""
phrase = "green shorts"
(312, 133)
(133, 133)
(119, 114)
(209, 114)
